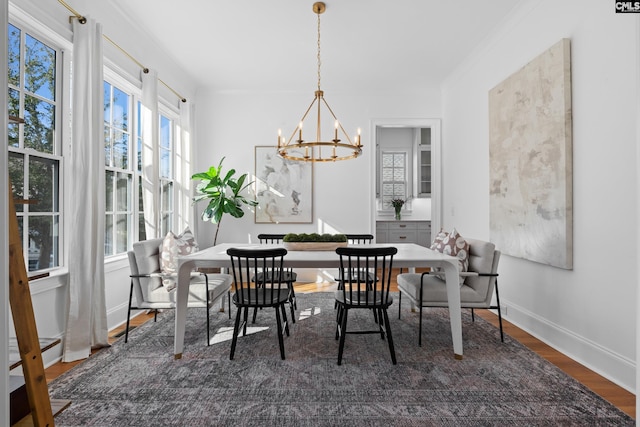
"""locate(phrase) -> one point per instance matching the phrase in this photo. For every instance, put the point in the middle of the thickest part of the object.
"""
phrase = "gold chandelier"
(318, 150)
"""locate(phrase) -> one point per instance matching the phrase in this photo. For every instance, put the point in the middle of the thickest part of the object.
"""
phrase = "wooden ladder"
(25, 326)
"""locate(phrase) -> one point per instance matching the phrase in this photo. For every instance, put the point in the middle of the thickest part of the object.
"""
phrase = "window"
(35, 156)
(142, 233)
(123, 164)
(119, 208)
(394, 177)
(166, 174)
(166, 158)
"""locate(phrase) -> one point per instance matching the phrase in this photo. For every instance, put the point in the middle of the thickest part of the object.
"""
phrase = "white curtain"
(87, 316)
(150, 122)
(184, 168)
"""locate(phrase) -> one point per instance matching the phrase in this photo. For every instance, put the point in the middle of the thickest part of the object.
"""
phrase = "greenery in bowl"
(314, 237)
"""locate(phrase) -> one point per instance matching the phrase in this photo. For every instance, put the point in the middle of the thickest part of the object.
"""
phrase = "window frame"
(122, 84)
(136, 230)
(384, 203)
(60, 103)
(173, 117)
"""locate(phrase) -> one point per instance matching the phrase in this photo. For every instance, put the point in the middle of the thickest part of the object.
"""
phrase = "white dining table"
(409, 256)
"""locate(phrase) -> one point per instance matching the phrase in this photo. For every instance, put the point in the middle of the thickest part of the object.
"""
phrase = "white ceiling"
(366, 45)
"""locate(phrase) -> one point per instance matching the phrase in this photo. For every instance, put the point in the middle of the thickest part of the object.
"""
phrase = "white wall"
(588, 312)
(232, 124)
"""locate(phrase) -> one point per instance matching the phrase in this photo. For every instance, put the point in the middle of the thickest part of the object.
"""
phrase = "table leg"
(182, 297)
(452, 278)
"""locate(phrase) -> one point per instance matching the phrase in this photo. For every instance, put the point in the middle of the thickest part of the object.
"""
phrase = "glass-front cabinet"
(423, 178)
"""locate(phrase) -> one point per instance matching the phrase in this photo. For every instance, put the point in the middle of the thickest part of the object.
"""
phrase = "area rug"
(496, 384)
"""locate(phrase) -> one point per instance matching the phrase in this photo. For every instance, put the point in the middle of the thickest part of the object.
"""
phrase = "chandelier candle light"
(318, 150)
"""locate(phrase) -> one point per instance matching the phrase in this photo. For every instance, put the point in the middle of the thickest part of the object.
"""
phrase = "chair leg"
(229, 302)
(246, 318)
(473, 317)
(236, 331)
(126, 333)
(389, 337)
(376, 318)
(399, 301)
(499, 312)
(208, 326)
(420, 328)
(284, 317)
(381, 323)
(292, 302)
(206, 281)
(343, 333)
(338, 320)
(280, 337)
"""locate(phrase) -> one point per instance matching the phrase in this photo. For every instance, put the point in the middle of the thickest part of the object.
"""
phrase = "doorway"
(378, 128)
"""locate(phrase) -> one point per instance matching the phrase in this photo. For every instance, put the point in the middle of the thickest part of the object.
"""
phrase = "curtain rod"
(145, 70)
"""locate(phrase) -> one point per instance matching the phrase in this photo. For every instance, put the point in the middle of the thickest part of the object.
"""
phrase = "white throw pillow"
(173, 247)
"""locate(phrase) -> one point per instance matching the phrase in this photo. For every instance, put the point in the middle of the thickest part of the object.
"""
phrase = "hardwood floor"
(609, 391)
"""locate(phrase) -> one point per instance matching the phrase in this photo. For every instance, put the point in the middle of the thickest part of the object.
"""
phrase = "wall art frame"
(284, 188)
(530, 152)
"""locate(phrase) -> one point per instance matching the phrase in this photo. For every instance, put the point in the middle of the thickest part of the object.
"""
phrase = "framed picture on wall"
(284, 188)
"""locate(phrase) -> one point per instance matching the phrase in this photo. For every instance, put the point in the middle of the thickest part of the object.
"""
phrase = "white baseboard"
(614, 367)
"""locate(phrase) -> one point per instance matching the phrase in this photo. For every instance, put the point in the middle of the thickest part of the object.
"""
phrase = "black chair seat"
(287, 276)
(266, 298)
(364, 298)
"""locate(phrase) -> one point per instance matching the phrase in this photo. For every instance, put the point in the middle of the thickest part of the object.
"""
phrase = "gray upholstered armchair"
(429, 290)
(147, 278)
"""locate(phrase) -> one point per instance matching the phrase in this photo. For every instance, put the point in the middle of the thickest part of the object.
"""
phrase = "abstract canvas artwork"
(284, 188)
(531, 210)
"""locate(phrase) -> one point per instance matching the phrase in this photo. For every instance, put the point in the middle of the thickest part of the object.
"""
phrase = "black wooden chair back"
(358, 239)
(270, 292)
(270, 238)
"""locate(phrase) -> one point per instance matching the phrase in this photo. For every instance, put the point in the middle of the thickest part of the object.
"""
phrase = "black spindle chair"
(359, 293)
(274, 292)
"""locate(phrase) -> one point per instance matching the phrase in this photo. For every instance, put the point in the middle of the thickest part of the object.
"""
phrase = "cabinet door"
(424, 234)
(382, 235)
(424, 171)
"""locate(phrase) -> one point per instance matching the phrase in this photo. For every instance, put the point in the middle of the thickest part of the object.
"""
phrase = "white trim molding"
(620, 370)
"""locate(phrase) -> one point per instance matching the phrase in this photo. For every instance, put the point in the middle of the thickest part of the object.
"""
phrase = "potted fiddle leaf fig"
(224, 194)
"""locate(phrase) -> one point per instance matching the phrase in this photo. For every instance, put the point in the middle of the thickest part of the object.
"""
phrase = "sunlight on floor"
(308, 312)
(226, 333)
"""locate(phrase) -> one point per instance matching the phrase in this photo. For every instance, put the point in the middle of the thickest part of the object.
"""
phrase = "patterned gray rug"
(496, 384)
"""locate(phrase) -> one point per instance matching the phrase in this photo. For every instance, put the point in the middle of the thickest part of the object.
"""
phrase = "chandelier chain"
(319, 60)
